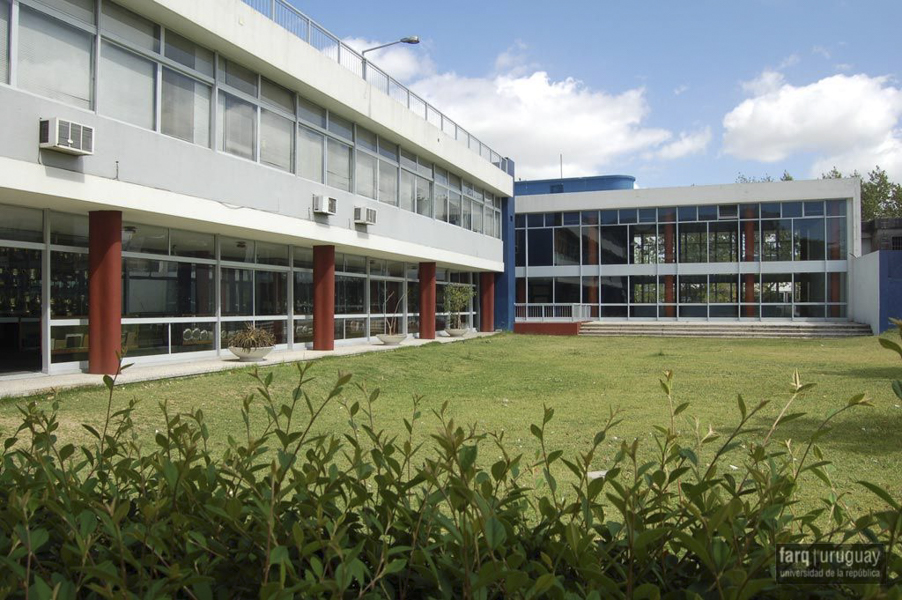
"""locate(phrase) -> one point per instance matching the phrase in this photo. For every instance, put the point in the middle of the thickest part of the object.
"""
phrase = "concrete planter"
(251, 355)
(391, 339)
(454, 332)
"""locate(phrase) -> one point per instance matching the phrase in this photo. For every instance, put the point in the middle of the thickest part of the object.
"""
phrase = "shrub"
(251, 338)
(292, 512)
(457, 298)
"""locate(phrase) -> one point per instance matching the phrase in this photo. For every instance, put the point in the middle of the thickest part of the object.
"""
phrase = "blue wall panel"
(890, 287)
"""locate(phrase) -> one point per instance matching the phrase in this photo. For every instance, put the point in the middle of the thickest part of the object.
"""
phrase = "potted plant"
(390, 337)
(251, 343)
(457, 298)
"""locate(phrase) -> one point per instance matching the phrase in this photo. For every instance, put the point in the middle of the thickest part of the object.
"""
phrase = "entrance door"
(20, 310)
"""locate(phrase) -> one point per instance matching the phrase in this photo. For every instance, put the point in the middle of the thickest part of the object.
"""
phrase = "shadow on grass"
(886, 373)
(859, 431)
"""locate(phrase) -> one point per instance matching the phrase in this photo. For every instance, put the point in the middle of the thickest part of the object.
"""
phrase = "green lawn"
(500, 383)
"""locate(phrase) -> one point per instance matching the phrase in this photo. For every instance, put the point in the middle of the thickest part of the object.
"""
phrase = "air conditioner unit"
(364, 216)
(323, 205)
(65, 136)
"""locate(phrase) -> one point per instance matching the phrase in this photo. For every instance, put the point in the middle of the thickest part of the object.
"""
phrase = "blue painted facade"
(598, 183)
(505, 282)
(890, 287)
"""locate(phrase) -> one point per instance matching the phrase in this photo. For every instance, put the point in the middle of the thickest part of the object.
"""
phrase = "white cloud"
(689, 143)
(768, 81)
(851, 121)
(843, 67)
(521, 111)
(789, 61)
(404, 62)
(824, 52)
(680, 89)
(535, 119)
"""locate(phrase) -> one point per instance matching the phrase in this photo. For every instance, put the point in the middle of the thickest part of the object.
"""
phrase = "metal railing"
(552, 312)
(305, 28)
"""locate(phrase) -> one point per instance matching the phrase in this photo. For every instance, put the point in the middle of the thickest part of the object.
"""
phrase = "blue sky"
(675, 93)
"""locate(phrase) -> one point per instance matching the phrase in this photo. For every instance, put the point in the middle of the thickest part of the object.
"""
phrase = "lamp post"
(413, 39)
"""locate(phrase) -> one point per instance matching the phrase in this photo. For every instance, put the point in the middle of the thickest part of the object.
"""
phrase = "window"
(237, 292)
(270, 293)
(188, 53)
(130, 27)
(540, 251)
(614, 246)
(366, 175)
(127, 86)
(388, 150)
(238, 77)
(693, 242)
(424, 196)
(341, 127)
(48, 47)
(643, 245)
(388, 183)
(186, 108)
(723, 241)
(441, 203)
(454, 208)
(693, 289)
(237, 126)
(897, 243)
(22, 224)
(276, 141)
(310, 149)
(366, 139)
(566, 245)
(808, 239)
(339, 165)
(4, 41)
(408, 190)
(310, 112)
(83, 10)
(590, 244)
(477, 210)
(277, 96)
(162, 288)
(776, 240)
(643, 290)
(613, 290)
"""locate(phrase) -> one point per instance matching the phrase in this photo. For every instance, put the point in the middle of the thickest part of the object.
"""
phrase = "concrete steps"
(755, 329)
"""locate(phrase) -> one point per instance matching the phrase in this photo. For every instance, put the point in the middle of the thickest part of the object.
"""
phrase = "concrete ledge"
(548, 328)
(41, 383)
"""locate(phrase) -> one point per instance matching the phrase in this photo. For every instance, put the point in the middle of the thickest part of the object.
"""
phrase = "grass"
(501, 383)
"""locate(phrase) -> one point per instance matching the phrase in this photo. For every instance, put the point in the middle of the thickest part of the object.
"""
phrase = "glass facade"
(185, 291)
(753, 260)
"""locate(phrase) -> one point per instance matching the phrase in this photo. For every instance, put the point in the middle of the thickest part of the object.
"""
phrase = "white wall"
(864, 290)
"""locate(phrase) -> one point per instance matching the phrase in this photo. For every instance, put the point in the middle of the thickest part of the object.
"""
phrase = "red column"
(487, 302)
(427, 301)
(749, 256)
(324, 297)
(669, 280)
(104, 291)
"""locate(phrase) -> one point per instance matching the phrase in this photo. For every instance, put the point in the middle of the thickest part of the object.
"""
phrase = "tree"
(880, 197)
(744, 179)
(766, 178)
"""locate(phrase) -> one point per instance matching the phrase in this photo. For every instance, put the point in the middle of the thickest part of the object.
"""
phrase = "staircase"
(727, 329)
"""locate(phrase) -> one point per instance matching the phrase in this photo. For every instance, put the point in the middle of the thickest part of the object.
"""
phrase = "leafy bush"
(357, 513)
(251, 338)
(891, 345)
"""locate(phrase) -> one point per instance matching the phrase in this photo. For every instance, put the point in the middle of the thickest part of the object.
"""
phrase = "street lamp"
(413, 39)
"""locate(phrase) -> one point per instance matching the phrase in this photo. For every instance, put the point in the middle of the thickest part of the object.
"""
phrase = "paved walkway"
(40, 383)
